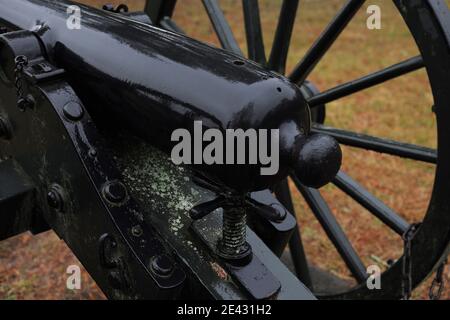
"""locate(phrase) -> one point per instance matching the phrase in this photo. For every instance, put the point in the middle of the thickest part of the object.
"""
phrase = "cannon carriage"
(86, 140)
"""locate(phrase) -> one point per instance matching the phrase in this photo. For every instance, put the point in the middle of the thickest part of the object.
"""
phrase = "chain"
(437, 287)
(406, 262)
(20, 63)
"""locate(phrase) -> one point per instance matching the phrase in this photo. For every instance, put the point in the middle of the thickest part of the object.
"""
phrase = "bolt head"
(73, 111)
(241, 257)
(282, 213)
(162, 265)
(25, 103)
(52, 199)
(21, 103)
(108, 7)
(137, 231)
(92, 153)
(115, 192)
(55, 198)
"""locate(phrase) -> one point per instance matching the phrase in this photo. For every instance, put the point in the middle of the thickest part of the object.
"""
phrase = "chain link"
(408, 236)
(437, 287)
(20, 63)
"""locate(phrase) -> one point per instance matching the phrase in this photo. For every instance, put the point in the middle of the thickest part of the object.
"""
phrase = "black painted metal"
(255, 41)
(119, 261)
(417, 14)
(283, 34)
(275, 234)
(168, 24)
(319, 112)
(296, 248)
(16, 199)
(221, 26)
(83, 162)
(371, 203)
(158, 9)
(140, 16)
(271, 283)
(363, 141)
(264, 100)
(158, 107)
(333, 230)
(366, 82)
(431, 243)
(325, 41)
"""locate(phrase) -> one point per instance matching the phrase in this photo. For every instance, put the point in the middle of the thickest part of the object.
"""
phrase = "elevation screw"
(233, 246)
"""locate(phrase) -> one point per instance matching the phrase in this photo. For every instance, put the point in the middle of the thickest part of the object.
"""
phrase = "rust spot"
(223, 275)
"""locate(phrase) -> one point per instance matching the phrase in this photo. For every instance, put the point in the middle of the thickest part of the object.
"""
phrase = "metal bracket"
(40, 70)
(68, 151)
(16, 199)
(254, 277)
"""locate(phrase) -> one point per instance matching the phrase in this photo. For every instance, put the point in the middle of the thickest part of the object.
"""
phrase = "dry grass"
(400, 110)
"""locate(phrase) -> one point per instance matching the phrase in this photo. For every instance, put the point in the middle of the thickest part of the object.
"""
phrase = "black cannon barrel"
(154, 82)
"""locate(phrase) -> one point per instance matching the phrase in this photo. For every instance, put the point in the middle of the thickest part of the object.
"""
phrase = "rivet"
(282, 213)
(108, 7)
(55, 197)
(162, 265)
(92, 153)
(115, 192)
(73, 111)
(25, 103)
(137, 231)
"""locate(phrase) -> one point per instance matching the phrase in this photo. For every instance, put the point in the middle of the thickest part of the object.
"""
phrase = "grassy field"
(34, 267)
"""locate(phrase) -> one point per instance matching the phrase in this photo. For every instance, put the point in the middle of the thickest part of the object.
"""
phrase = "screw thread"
(234, 234)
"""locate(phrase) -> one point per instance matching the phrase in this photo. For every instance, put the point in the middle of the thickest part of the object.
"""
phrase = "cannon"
(89, 116)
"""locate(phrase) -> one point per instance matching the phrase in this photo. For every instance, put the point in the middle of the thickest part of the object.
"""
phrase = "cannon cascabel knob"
(317, 160)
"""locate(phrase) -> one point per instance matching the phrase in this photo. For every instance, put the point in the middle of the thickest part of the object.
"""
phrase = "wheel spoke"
(255, 41)
(395, 148)
(325, 41)
(333, 230)
(221, 26)
(296, 249)
(168, 24)
(371, 203)
(158, 9)
(283, 34)
(366, 82)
